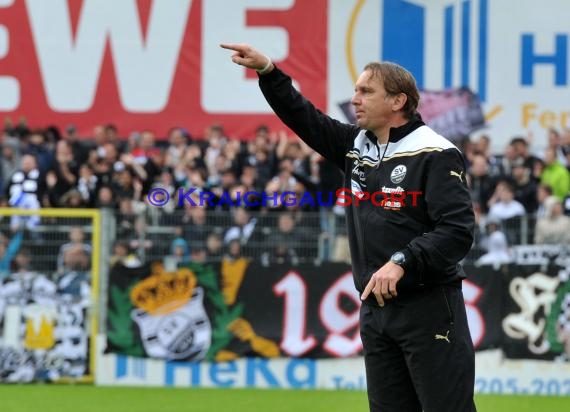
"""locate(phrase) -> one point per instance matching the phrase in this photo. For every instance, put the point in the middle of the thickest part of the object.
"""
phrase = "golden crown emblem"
(42, 338)
(163, 292)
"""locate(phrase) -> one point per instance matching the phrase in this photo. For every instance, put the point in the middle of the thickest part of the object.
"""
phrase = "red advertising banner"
(154, 65)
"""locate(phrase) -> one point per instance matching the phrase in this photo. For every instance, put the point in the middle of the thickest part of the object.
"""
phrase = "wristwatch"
(399, 259)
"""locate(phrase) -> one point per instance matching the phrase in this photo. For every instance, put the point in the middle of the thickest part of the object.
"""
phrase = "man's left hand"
(383, 283)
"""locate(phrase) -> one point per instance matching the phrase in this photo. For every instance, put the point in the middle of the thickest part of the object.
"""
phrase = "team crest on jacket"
(398, 174)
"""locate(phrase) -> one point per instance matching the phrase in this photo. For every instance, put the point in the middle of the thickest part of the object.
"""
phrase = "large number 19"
(336, 321)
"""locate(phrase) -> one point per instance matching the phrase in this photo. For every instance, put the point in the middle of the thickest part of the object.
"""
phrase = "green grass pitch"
(86, 398)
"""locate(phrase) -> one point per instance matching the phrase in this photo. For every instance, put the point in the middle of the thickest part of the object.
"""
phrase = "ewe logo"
(398, 174)
(449, 34)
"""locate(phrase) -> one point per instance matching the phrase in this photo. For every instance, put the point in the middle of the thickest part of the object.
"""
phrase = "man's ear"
(399, 101)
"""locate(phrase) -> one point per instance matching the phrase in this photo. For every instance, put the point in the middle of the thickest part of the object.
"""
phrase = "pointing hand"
(247, 56)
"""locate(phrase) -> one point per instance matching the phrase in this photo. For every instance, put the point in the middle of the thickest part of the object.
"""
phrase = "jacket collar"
(398, 133)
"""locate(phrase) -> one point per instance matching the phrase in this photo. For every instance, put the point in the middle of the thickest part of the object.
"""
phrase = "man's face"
(549, 156)
(520, 149)
(28, 163)
(518, 172)
(505, 193)
(479, 167)
(76, 235)
(373, 106)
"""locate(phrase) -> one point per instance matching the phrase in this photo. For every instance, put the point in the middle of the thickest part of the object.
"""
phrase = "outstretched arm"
(247, 56)
(329, 137)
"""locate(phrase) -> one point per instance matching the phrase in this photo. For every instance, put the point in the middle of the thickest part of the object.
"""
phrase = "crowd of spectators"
(49, 168)
(46, 168)
(520, 186)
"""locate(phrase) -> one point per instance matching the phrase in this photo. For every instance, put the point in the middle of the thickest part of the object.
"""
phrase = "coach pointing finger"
(249, 57)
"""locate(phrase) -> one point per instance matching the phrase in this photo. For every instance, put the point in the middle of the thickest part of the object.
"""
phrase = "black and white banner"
(44, 332)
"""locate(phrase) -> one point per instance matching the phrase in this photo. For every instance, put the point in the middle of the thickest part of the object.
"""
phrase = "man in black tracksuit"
(410, 221)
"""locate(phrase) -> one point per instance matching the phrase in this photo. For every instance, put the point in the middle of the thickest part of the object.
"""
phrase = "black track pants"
(418, 353)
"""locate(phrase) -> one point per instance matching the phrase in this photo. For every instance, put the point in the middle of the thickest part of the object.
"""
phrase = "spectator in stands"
(248, 182)
(216, 139)
(542, 193)
(119, 253)
(199, 254)
(525, 187)
(495, 242)
(555, 174)
(9, 248)
(80, 148)
(538, 169)
(502, 204)
(146, 244)
(106, 198)
(194, 157)
(287, 242)
(9, 160)
(233, 250)
(72, 199)
(99, 135)
(328, 178)
(195, 179)
(87, 184)
(25, 189)
(555, 143)
(39, 148)
(196, 225)
(65, 168)
(215, 247)
(243, 227)
(123, 181)
(554, 227)
(20, 130)
(166, 181)
(70, 254)
(180, 251)
(103, 161)
(231, 151)
(506, 160)
(482, 184)
(144, 147)
(520, 147)
(135, 167)
(22, 263)
(178, 143)
(153, 168)
(262, 137)
(50, 196)
(483, 146)
(223, 190)
(112, 136)
(76, 259)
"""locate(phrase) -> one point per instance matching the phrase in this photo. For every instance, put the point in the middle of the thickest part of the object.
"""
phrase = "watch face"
(398, 258)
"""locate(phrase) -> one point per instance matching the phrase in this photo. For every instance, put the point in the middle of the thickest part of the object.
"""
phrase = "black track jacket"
(434, 228)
